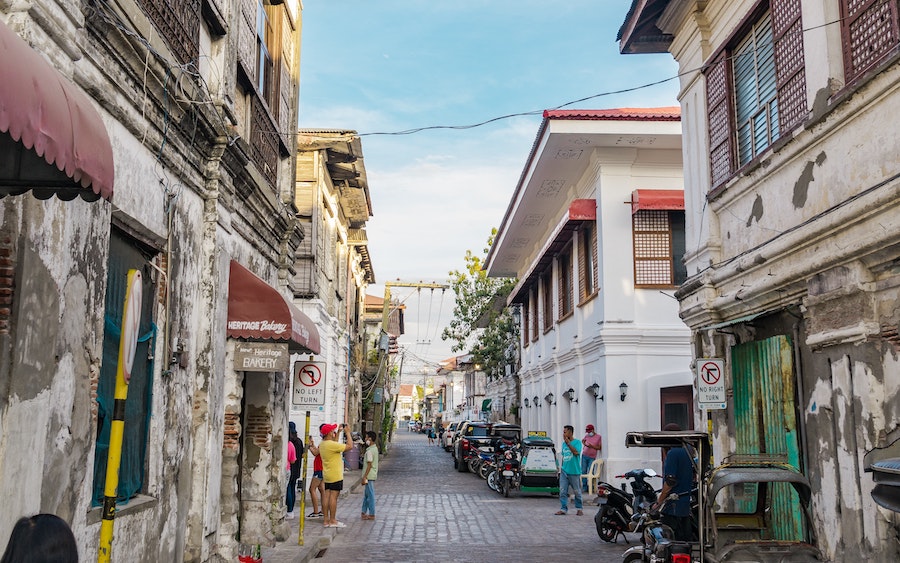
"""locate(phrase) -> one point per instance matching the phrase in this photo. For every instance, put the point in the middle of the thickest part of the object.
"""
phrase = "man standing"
(370, 473)
(678, 477)
(592, 445)
(332, 449)
(570, 472)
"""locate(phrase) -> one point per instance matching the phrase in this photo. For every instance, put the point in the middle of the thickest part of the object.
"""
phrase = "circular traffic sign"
(309, 375)
(710, 373)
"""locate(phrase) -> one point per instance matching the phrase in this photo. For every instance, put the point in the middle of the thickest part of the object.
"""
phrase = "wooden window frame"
(547, 298)
(526, 318)
(790, 80)
(645, 226)
(587, 262)
(564, 278)
(863, 52)
(535, 312)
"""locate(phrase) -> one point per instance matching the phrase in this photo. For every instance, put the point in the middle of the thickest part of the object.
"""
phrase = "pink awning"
(257, 311)
(662, 200)
(45, 119)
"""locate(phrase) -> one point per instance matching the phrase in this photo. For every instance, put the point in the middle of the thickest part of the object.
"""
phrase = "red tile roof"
(671, 113)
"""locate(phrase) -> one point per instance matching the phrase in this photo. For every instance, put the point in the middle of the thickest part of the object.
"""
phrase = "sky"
(386, 66)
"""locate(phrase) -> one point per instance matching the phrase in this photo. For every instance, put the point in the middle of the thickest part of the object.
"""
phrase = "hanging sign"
(261, 356)
(711, 383)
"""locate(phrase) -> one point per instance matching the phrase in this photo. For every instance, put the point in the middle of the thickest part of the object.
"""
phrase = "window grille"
(263, 141)
(652, 249)
(756, 89)
(870, 33)
(178, 23)
(526, 319)
(533, 303)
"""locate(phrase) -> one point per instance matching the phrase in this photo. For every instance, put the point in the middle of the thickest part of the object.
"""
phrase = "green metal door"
(766, 423)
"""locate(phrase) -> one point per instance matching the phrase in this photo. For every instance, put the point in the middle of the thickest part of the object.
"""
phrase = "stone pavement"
(427, 511)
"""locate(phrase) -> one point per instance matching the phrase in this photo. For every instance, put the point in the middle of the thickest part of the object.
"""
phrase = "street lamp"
(570, 395)
(594, 390)
(527, 404)
(623, 389)
(536, 402)
(549, 398)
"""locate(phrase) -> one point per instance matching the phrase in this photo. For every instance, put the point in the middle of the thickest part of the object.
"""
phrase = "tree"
(482, 324)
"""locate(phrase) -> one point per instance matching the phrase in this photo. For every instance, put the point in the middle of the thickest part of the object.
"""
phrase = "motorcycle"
(508, 465)
(658, 544)
(618, 506)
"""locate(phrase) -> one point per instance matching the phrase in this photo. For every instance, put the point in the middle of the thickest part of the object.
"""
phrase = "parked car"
(448, 435)
(411, 426)
(472, 436)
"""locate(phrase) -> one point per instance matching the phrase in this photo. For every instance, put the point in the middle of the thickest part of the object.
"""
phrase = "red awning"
(579, 212)
(256, 311)
(666, 200)
(45, 119)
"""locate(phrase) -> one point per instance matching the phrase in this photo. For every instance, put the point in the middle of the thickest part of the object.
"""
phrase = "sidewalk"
(315, 536)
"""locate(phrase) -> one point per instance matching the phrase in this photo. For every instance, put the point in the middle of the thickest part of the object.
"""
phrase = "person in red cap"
(592, 445)
(332, 450)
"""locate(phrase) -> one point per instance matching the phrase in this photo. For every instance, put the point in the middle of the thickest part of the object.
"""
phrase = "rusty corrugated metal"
(766, 423)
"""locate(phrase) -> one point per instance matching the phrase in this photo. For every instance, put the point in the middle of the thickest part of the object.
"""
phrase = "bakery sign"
(261, 356)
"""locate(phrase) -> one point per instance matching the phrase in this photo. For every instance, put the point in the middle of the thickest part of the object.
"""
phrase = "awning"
(579, 212)
(52, 140)
(665, 200)
(257, 311)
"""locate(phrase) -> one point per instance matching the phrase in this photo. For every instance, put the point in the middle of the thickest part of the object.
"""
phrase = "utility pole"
(385, 323)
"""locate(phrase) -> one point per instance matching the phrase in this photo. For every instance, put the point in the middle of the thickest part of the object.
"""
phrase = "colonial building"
(593, 232)
(333, 267)
(157, 137)
(793, 237)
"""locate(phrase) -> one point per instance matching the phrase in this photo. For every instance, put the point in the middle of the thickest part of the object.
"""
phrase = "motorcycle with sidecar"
(752, 508)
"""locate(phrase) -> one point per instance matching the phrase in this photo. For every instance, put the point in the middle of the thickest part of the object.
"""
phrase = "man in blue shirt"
(570, 472)
(678, 478)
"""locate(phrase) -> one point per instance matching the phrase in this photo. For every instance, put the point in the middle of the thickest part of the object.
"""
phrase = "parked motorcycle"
(508, 464)
(618, 506)
(658, 544)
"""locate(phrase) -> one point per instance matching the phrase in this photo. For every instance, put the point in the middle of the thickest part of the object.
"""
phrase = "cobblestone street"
(427, 511)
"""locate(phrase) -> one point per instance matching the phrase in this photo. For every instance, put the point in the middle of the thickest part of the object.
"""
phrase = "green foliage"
(480, 301)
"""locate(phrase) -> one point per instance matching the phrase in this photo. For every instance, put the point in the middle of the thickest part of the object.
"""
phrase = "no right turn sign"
(711, 383)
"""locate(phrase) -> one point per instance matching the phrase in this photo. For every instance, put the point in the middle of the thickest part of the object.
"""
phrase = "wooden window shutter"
(720, 121)
(787, 29)
(533, 303)
(286, 118)
(246, 39)
(869, 31)
(525, 320)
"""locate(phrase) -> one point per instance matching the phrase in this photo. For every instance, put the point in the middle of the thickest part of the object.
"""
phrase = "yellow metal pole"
(131, 318)
(303, 475)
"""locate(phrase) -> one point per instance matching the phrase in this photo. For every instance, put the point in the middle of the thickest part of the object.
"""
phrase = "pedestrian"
(592, 445)
(570, 472)
(42, 538)
(678, 478)
(334, 444)
(430, 435)
(295, 465)
(370, 474)
(316, 484)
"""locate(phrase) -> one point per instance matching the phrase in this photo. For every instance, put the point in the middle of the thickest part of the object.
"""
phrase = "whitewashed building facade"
(593, 232)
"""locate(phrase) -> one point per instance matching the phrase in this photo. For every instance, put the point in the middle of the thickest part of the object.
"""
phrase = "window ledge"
(548, 329)
(566, 316)
(138, 503)
(588, 298)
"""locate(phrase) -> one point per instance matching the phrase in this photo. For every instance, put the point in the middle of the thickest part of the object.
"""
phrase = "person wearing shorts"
(332, 449)
(316, 486)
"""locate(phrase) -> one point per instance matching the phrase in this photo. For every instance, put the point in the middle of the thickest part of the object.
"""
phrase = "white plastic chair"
(593, 475)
